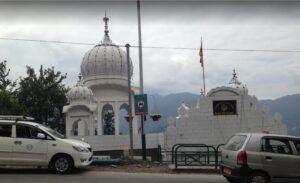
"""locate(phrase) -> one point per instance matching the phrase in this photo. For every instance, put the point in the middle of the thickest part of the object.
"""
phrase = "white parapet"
(120, 142)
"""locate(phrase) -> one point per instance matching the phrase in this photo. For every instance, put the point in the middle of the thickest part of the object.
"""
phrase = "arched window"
(124, 125)
(79, 128)
(75, 128)
(108, 120)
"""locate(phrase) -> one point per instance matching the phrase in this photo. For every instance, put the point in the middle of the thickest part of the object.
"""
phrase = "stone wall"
(119, 142)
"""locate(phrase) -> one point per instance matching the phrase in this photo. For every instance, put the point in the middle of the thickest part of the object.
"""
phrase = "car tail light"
(242, 158)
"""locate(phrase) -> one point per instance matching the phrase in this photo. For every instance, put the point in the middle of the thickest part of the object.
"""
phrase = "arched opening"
(108, 120)
(124, 125)
(75, 128)
(79, 128)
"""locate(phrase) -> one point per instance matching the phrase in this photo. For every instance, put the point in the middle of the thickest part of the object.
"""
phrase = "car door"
(6, 144)
(296, 143)
(278, 158)
(27, 148)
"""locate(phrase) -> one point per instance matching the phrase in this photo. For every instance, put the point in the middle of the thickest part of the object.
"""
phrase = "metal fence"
(191, 155)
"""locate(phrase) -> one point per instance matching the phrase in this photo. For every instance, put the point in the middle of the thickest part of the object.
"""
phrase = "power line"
(221, 49)
(46, 41)
(155, 47)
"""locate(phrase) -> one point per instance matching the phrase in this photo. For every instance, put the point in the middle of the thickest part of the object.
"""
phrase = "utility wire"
(157, 47)
(45, 41)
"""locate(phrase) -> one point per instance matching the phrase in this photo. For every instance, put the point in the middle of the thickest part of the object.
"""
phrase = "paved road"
(86, 176)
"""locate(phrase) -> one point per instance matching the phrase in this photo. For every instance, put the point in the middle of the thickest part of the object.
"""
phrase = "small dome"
(105, 60)
(80, 93)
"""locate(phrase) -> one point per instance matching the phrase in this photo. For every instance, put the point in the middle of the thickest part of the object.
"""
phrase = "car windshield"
(53, 132)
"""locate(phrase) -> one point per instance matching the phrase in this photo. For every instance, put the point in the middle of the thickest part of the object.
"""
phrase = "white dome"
(80, 93)
(105, 60)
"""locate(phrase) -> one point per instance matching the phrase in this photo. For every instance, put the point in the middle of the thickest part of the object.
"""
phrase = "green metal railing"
(196, 158)
(200, 155)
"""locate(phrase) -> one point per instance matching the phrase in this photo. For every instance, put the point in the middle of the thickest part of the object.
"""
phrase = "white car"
(24, 143)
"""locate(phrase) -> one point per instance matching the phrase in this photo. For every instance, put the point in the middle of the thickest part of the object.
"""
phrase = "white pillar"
(99, 120)
(68, 126)
(91, 125)
(116, 107)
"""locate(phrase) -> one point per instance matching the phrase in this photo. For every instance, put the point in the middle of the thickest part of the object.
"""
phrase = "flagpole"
(202, 66)
(203, 76)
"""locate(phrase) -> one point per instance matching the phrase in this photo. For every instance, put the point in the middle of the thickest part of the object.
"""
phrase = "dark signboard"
(141, 104)
(224, 107)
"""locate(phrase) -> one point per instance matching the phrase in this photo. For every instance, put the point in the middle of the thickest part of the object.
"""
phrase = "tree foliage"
(109, 127)
(5, 82)
(9, 104)
(40, 95)
(43, 93)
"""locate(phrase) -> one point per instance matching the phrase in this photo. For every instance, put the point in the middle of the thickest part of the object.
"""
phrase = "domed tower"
(104, 84)
(80, 111)
(105, 65)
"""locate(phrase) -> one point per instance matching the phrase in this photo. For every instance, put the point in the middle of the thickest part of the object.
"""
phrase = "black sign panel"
(224, 107)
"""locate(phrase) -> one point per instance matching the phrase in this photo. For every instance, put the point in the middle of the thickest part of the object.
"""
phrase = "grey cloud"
(232, 25)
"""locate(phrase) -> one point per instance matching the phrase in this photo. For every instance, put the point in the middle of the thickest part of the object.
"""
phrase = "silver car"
(261, 158)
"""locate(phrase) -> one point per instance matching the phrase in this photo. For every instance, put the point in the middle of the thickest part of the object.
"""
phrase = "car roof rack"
(16, 118)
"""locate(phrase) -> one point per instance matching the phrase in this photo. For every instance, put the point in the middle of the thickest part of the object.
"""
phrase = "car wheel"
(62, 164)
(258, 177)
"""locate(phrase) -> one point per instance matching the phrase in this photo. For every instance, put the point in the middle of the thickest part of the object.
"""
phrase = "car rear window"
(235, 143)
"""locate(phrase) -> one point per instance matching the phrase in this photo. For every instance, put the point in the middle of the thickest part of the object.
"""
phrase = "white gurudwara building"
(219, 114)
(102, 92)
(98, 97)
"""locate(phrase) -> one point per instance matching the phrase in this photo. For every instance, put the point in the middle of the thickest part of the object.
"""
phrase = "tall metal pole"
(143, 137)
(140, 48)
(203, 76)
(129, 101)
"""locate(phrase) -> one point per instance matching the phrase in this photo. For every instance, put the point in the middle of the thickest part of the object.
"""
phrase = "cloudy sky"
(223, 25)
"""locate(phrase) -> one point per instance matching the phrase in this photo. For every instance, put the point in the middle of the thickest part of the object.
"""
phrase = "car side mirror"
(41, 136)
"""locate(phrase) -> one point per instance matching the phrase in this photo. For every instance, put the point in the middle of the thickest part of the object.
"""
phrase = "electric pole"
(129, 102)
(143, 137)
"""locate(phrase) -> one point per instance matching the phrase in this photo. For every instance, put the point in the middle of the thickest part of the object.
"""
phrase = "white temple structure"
(98, 97)
(101, 93)
(219, 114)
(101, 89)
